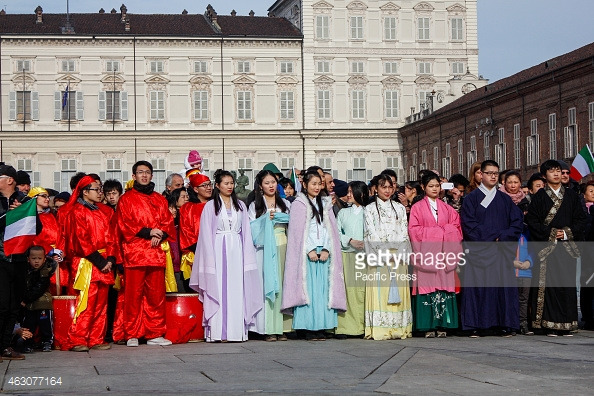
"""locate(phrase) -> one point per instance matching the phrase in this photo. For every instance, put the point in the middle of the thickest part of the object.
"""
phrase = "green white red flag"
(295, 179)
(582, 165)
(21, 228)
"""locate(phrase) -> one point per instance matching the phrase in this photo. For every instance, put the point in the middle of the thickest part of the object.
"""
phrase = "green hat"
(271, 167)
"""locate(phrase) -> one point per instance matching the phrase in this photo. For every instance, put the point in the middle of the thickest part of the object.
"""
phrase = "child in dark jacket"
(37, 299)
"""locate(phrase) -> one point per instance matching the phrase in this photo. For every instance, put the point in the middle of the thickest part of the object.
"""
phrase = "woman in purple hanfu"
(225, 272)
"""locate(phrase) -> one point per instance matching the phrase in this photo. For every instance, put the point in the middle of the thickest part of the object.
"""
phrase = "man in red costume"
(144, 223)
(88, 243)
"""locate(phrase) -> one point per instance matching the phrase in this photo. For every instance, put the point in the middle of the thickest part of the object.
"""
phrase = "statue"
(241, 183)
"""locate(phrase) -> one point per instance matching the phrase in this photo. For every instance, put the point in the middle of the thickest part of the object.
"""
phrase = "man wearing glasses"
(490, 295)
(144, 223)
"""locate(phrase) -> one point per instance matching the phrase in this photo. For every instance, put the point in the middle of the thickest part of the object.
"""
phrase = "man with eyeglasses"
(490, 294)
(566, 180)
(144, 223)
(189, 222)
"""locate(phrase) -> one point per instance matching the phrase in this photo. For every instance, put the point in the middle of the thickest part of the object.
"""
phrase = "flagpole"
(68, 104)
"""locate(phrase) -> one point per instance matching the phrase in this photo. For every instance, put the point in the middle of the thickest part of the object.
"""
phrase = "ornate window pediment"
(323, 80)
(390, 7)
(391, 81)
(156, 80)
(358, 80)
(287, 80)
(321, 5)
(200, 80)
(243, 79)
(111, 79)
(425, 81)
(423, 7)
(456, 8)
(27, 78)
(356, 6)
(68, 78)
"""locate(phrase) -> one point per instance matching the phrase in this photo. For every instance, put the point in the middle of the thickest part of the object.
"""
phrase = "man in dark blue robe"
(491, 224)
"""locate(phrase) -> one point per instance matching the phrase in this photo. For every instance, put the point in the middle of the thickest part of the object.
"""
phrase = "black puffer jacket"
(36, 294)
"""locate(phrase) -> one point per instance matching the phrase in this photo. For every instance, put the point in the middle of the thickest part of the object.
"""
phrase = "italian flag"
(21, 228)
(582, 165)
(295, 179)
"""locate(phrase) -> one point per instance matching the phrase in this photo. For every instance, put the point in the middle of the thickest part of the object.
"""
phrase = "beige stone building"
(326, 83)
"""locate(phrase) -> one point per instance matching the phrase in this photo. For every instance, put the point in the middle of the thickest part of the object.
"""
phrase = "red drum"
(64, 308)
(184, 318)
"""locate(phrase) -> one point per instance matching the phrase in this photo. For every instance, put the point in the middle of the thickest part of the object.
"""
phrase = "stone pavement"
(536, 365)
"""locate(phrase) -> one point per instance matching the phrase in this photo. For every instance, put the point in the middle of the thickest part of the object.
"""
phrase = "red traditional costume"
(51, 238)
(88, 244)
(144, 266)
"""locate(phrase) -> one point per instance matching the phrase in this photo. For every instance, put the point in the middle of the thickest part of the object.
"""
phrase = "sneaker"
(551, 334)
(442, 334)
(474, 334)
(505, 333)
(11, 354)
(80, 348)
(282, 337)
(47, 347)
(132, 342)
(270, 338)
(430, 334)
(159, 341)
(27, 350)
(101, 347)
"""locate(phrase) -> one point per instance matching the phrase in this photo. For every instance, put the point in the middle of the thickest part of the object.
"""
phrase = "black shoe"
(310, 336)
(11, 354)
(47, 347)
(340, 336)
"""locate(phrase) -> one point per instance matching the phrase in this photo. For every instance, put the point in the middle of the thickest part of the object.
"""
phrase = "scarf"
(517, 197)
(489, 195)
(148, 189)
(87, 204)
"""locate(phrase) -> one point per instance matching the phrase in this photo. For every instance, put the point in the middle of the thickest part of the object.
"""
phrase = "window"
(26, 164)
(157, 66)
(23, 66)
(532, 147)
(446, 162)
(571, 134)
(356, 67)
(392, 163)
(391, 104)
(424, 67)
(358, 105)
(201, 105)
(357, 27)
(423, 28)
(287, 164)
(326, 164)
(68, 65)
(412, 174)
(500, 155)
(323, 104)
(436, 158)
(553, 135)
(359, 172)
(472, 154)
(457, 29)
(113, 105)
(323, 66)
(157, 102)
(423, 164)
(113, 169)
(517, 148)
(23, 105)
(243, 67)
(159, 173)
(244, 105)
(460, 156)
(62, 178)
(423, 97)
(246, 165)
(68, 105)
(591, 124)
(458, 68)
(390, 28)
(287, 105)
(206, 167)
(486, 146)
(200, 67)
(390, 67)
(322, 27)
(112, 66)
(286, 67)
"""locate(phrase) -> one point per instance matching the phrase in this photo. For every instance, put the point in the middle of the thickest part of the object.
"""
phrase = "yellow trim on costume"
(187, 260)
(170, 283)
(82, 282)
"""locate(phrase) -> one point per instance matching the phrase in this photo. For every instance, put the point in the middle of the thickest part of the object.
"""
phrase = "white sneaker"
(158, 341)
(132, 342)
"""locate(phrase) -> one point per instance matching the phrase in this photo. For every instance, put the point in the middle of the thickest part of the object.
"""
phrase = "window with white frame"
(436, 158)
(358, 104)
(472, 154)
(392, 163)
(159, 173)
(424, 67)
(553, 135)
(200, 66)
(62, 178)
(359, 171)
(157, 66)
(23, 65)
(206, 167)
(113, 105)
(68, 105)
(423, 164)
(571, 134)
(322, 66)
(391, 104)
(460, 156)
(248, 169)
(446, 162)
(591, 124)
(157, 105)
(356, 27)
(457, 68)
(112, 66)
(423, 97)
(532, 146)
(68, 66)
(23, 105)
(287, 164)
(113, 169)
(391, 67)
(412, 174)
(500, 155)
(423, 28)
(390, 28)
(244, 105)
(26, 165)
(323, 99)
(517, 147)
(287, 105)
(486, 146)
(243, 66)
(322, 27)
(325, 163)
(286, 67)
(457, 29)
(356, 67)
(201, 105)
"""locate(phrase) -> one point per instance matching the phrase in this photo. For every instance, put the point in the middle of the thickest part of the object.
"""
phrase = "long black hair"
(218, 178)
(382, 179)
(360, 192)
(427, 177)
(259, 202)
(317, 214)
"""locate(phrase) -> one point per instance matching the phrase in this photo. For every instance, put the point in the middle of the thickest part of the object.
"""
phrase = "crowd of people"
(312, 259)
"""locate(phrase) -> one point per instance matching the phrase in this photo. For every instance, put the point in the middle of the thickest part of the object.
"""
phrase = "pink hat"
(194, 158)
